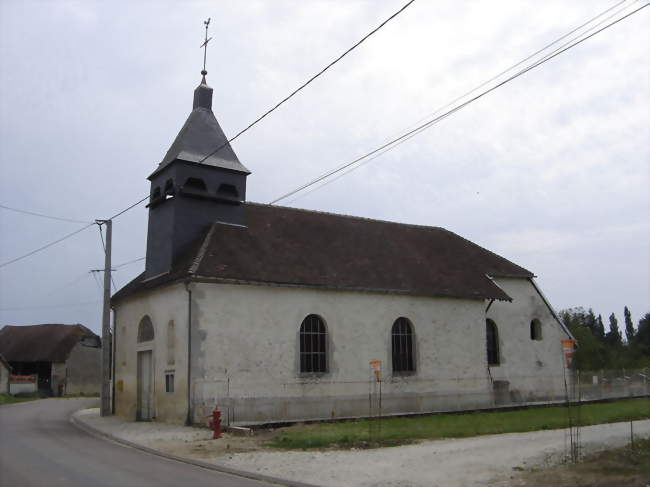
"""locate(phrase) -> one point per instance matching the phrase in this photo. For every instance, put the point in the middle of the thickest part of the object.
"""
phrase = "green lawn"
(393, 431)
(7, 399)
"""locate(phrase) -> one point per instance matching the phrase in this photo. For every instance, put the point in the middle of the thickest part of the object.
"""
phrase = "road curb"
(198, 463)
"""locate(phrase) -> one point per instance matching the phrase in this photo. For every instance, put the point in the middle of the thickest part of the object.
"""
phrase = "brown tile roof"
(40, 343)
(293, 247)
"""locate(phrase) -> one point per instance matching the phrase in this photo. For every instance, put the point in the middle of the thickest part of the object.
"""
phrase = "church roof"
(200, 136)
(41, 343)
(293, 247)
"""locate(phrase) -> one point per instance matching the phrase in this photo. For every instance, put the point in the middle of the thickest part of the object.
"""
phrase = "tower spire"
(205, 48)
(203, 93)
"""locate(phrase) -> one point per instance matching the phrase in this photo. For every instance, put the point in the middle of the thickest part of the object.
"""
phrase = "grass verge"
(395, 431)
(611, 468)
(8, 399)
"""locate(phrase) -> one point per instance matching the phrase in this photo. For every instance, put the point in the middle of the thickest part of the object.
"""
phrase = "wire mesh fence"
(260, 400)
(609, 384)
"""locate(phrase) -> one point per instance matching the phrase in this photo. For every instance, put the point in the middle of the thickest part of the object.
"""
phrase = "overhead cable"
(46, 246)
(430, 123)
(128, 263)
(420, 128)
(83, 303)
(33, 213)
(294, 92)
(289, 96)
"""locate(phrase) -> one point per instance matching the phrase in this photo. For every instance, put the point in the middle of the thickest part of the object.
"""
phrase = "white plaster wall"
(247, 344)
(533, 368)
(83, 370)
(162, 305)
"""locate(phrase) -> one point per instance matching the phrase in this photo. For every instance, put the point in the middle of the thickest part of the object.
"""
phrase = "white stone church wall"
(162, 305)
(533, 369)
(245, 346)
(249, 343)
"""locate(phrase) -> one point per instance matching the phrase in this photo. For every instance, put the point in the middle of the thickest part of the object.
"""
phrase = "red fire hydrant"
(215, 423)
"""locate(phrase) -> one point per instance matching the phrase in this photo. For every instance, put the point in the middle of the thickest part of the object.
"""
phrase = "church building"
(283, 314)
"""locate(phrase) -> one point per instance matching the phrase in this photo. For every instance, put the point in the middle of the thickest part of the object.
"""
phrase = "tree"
(590, 354)
(599, 329)
(629, 326)
(613, 336)
(642, 337)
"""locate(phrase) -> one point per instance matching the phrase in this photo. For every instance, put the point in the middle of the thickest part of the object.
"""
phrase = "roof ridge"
(492, 253)
(413, 225)
(353, 217)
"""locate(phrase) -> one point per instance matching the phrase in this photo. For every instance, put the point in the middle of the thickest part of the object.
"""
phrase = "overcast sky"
(550, 171)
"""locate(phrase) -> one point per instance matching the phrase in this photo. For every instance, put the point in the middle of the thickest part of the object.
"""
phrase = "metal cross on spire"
(205, 46)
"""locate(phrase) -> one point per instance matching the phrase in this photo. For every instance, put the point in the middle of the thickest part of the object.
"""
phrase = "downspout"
(113, 348)
(188, 419)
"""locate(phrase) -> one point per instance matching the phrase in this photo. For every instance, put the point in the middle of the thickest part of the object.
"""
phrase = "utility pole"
(105, 407)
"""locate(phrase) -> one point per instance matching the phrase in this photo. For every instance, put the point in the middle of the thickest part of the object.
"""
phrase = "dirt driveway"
(480, 461)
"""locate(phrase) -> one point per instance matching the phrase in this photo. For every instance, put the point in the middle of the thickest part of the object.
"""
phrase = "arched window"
(535, 329)
(313, 345)
(492, 335)
(402, 345)
(145, 330)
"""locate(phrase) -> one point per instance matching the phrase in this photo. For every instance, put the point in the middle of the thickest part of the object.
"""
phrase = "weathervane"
(205, 45)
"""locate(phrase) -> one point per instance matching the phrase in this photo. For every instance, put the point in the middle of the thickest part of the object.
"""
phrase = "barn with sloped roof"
(66, 358)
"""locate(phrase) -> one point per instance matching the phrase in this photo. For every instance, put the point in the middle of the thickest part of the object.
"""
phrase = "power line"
(291, 95)
(294, 92)
(421, 128)
(69, 283)
(33, 213)
(18, 308)
(127, 209)
(430, 123)
(46, 246)
(519, 63)
(99, 284)
(127, 263)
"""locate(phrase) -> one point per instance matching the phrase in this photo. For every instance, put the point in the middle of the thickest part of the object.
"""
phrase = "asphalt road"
(39, 447)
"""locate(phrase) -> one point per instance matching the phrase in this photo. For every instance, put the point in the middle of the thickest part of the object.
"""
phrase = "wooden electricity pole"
(105, 407)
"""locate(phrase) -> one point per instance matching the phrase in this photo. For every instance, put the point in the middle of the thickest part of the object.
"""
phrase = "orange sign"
(568, 347)
(375, 365)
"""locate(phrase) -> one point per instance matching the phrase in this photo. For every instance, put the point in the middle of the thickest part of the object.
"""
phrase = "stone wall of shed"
(83, 369)
(58, 374)
(169, 350)
(247, 346)
(530, 370)
(4, 379)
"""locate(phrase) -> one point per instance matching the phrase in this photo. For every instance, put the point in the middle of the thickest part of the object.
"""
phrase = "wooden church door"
(145, 386)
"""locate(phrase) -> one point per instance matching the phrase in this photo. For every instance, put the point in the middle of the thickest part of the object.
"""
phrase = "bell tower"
(199, 181)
